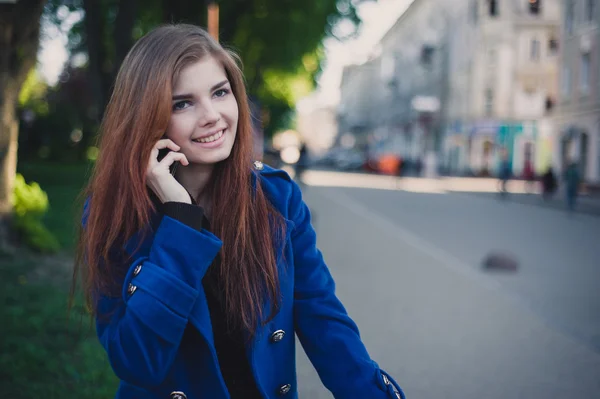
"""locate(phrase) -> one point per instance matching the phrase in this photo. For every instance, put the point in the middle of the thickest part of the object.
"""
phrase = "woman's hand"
(158, 175)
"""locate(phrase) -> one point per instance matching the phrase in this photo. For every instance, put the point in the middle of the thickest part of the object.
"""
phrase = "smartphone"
(163, 153)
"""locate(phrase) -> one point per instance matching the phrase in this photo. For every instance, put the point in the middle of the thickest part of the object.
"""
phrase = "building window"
(489, 102)
(534, 7)
(589, 10)
(474, 11)
(549, 104)
(427, 55)
(566, 81)
(553, 46)
(569, 16)
(493, 8)
(535, 50)
(585, 72)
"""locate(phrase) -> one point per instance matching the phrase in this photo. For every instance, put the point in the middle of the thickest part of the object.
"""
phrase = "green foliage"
(43, 352)
(278, 40)
(30, 203)
(28, 199)
(287, 88)
(33, 94)
(63, 182)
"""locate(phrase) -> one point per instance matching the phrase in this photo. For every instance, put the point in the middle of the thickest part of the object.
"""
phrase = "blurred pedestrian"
(301, 165)
(504, 173)
(572, 180)
(549, 184)
(201, 277)
(529, 175)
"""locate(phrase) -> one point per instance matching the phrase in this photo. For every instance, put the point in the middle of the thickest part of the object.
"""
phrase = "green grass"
(44, 354)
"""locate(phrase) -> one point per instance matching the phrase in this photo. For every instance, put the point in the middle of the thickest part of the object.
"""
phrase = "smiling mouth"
(211, 138)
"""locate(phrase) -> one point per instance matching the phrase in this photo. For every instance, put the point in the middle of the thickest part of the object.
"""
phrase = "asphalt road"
(408, 269)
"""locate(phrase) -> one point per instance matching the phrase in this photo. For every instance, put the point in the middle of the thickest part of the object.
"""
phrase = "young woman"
(200, 275)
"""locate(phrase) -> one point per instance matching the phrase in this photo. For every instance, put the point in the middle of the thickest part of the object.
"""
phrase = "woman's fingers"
(172, 157)
(161, 144)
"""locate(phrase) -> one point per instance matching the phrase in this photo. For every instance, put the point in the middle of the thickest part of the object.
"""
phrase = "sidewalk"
(590, 206)
(517, 192)
(483, 187)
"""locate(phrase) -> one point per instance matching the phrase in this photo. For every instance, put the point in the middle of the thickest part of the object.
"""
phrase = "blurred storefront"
(577, 118)
(503, 67)
(475, 148)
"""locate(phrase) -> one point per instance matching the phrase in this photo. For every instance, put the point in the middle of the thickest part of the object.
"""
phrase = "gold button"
(178, 395)
(137, 270)
(258, 165)
(131, 289)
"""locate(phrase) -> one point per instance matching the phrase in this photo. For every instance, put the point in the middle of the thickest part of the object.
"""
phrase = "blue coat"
(143, 330)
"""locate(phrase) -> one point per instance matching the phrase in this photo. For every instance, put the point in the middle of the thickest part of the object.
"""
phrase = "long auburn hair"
(136, 117)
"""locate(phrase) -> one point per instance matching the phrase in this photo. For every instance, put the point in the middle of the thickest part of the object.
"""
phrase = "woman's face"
(204, 113)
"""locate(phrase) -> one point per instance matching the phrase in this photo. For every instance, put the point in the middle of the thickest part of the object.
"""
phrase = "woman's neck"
(194, 178)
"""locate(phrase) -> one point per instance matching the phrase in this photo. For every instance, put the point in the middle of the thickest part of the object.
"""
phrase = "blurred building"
(578, 115)
(503, 87)
(316, 123)
(394, 102)
(358, 116)
(414, 69)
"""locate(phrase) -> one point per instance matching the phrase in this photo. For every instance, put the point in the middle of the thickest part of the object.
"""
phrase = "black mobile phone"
(162, 153)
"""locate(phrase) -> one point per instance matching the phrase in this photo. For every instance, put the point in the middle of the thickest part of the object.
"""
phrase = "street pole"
(213, 19)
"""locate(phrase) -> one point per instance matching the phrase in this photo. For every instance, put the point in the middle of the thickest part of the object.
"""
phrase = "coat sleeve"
(329, 337)
(141, 331)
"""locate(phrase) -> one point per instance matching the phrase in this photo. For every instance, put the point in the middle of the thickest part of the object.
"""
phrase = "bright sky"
(53, 54)
(378, 17)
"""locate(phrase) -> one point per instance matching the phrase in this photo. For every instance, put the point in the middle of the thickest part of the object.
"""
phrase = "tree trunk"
(184, 11)
(95, 27)
(19, 40)
(123, 31)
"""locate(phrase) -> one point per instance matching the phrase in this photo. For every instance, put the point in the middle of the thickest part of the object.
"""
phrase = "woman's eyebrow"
(186, 96)
(220, 84)
(182, 97)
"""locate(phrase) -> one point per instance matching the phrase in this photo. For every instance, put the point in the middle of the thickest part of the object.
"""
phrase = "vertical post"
(213, 19)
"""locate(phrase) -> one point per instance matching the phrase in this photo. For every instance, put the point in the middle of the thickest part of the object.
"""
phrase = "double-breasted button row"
(131, 288)
(386, 381)
(277, 336)
(178, 395)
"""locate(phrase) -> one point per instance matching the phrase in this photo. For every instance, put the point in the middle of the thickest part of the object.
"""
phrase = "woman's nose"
(208, 115)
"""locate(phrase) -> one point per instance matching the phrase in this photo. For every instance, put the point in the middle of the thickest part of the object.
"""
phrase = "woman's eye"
(221, 93)
(179, 105)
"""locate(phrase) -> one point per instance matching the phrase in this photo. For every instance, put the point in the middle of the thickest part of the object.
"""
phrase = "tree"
(278, 40)
(19, 41)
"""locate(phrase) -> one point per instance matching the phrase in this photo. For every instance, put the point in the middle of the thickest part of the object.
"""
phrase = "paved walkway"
(407, 268)
(520, 193)
(484, 187)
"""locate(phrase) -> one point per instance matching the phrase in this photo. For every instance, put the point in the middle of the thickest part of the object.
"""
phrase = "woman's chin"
(209, 159)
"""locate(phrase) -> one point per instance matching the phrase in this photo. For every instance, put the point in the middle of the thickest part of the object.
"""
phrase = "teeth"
(210, 139)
